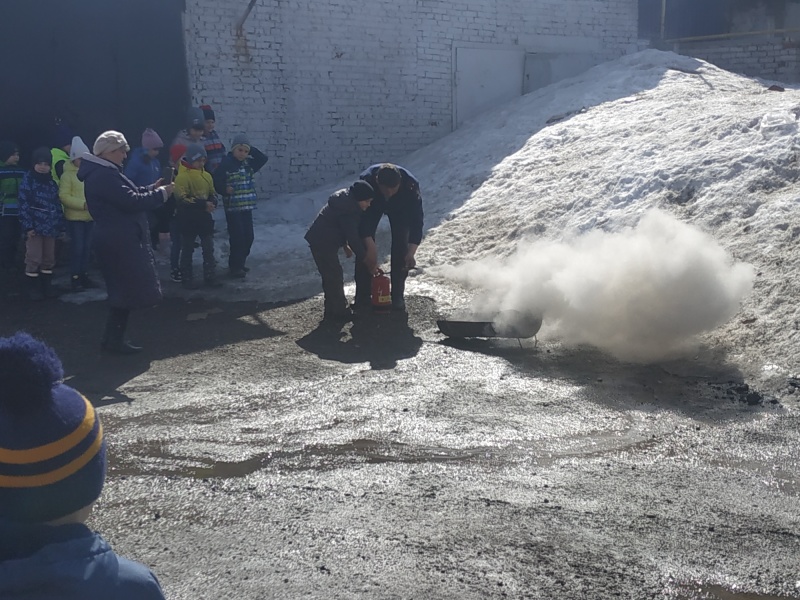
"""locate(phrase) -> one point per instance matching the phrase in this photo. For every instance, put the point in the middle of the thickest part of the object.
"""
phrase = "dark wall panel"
(94, 64)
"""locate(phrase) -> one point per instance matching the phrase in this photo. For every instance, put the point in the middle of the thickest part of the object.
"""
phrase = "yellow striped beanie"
(52, 452)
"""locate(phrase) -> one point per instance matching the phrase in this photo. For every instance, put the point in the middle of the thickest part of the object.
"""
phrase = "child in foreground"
(52, 470)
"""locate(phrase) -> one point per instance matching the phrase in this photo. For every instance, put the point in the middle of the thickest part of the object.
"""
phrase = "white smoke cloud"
(641, 294)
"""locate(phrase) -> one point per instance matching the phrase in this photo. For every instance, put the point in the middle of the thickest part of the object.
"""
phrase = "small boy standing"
(234, 181)
(10, 177)
(335, 227)
(215, 149)
(196, 200)
(42, 220)
(79, 221)
(52, 470)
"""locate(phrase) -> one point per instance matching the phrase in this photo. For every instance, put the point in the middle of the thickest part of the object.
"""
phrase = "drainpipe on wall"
(663, 17)
(240, 22)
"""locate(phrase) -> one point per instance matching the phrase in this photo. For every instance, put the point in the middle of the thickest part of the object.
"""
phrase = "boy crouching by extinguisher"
(335, 227)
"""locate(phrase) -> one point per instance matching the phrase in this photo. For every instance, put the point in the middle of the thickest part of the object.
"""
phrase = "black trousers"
(241, 235)
(398, 274)
(10, 236)
(190, 231)
(330, 269)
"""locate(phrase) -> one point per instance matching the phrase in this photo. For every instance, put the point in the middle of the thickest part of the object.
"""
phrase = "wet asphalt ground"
(255, 453)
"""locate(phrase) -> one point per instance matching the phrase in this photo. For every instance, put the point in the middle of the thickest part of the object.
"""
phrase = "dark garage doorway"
(93, 64)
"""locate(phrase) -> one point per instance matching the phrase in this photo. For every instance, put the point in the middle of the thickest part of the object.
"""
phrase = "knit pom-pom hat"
(52, 452)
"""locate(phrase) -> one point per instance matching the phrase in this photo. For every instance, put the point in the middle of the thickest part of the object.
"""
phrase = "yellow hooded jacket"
(193, 187)
(70, 191)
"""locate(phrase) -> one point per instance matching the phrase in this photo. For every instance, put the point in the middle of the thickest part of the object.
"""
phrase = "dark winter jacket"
(405, 207)
(239, 175)
(68, 562)
(141, 169)
(121, 233)
(10, 178)
(39, 205)
(337, 224)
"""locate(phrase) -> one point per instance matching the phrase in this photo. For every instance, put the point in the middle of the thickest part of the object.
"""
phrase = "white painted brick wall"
(768, 59)
(328, 87)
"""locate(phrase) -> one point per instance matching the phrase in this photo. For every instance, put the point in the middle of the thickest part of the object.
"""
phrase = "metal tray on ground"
(507, 324)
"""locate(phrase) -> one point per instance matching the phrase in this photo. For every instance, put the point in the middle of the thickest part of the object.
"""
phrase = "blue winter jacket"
(141, 169)
(39, 205)
(68, 562)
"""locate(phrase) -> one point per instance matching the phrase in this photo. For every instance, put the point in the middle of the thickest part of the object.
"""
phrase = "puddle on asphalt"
(316, 456)
(773, 475)
(697, 591)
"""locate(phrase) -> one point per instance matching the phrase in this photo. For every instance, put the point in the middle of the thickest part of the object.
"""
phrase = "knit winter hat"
(196, 118)
(63, 136)
(52, 453)
(240, 139)
(361, 190)
(108, 141)
(42, 155)
(7, 148)
(208, 112)
(151, 140)
(79, 148)
(195, 152)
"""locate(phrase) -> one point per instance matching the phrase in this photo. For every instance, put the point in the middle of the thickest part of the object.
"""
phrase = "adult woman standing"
(121, 235)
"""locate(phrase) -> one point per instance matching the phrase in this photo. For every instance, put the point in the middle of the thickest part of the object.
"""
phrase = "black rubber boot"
(87, 282)
(47, 285)
(114, 341)
(35, 291)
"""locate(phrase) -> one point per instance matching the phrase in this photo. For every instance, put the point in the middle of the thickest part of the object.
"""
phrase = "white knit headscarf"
(109, 141)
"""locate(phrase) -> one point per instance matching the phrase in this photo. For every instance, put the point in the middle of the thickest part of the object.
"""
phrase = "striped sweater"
(215, 150)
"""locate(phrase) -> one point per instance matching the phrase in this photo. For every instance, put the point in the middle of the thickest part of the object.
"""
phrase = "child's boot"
(187, 280)
(87, 282)
(209, 278)
(35, 292)
(47, 284)
(75, 284)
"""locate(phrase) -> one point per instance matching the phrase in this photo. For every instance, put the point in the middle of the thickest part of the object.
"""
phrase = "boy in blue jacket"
(52, 469)
(42, 221)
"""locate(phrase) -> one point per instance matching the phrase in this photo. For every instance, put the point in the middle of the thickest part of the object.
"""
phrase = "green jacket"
(10, 176)
(58, 156)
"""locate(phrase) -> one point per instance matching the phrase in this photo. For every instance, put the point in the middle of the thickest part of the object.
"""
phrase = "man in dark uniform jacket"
(398, 196)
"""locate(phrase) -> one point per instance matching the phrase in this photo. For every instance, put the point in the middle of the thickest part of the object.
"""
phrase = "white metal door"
(484, 78)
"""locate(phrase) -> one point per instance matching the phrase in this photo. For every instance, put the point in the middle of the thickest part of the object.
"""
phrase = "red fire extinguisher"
(381, 292)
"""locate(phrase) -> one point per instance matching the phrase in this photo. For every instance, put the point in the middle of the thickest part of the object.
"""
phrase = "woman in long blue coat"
(121, 235)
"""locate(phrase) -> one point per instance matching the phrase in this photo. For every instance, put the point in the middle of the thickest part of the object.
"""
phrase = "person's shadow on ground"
(379, 339)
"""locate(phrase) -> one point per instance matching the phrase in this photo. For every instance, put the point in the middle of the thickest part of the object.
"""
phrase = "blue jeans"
(80, 235)
(175, 244)
(240, 233)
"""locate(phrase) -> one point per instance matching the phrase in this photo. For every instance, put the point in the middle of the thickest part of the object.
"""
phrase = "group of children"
(39, 205)
(42, 203)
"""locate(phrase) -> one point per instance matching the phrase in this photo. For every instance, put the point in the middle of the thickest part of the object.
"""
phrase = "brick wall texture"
(764, 58)
(326, 87)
